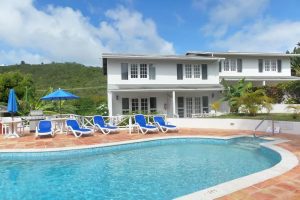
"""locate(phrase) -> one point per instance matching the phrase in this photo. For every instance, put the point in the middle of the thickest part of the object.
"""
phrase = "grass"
(274, 116)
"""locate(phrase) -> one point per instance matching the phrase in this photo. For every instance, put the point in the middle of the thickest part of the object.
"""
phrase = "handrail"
(260, 123)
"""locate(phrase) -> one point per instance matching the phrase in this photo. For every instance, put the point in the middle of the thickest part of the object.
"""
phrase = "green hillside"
(82, 80)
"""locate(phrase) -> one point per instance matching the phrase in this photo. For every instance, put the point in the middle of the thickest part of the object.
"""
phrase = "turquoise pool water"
(162, 169)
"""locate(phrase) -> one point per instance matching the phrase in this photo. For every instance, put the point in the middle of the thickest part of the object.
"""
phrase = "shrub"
(251, 102)
(296, 110)
(216, 106)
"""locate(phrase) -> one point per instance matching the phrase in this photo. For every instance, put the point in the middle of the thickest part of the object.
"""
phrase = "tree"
(274, 92)
(232, 92)
(295, 61)
(292, 91)
(251, 102)
(20, 82)
(296, 110)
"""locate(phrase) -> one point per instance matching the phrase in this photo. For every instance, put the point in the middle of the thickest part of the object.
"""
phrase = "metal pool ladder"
(259, 124)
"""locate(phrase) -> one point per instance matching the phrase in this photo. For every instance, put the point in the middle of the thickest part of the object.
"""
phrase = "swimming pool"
(157, 169)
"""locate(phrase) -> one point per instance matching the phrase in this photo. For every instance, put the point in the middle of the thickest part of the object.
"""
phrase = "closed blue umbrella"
(59, 95)
(12, 106)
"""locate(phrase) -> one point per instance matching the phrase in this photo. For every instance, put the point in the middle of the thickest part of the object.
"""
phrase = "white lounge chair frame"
(165, 129)
(78, 133)
(37, 133)
(105, 131)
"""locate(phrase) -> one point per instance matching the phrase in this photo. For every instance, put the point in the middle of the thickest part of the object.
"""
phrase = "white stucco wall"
(164, 99)
(166, 73)
(280, 108)
(161, 100)
(250, 68)
(238, 124)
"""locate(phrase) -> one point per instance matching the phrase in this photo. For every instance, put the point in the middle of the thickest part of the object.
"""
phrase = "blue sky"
(67, 30)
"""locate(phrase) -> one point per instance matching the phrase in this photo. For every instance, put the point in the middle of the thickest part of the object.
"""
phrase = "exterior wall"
(238, 124)
(164, 100)
(166, 78)
(161, 100)
(250, 67)
(166, 73)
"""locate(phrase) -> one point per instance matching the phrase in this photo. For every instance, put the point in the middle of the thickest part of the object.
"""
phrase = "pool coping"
(288, 161)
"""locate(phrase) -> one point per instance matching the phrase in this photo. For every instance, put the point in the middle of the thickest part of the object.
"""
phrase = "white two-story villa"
(185, 85)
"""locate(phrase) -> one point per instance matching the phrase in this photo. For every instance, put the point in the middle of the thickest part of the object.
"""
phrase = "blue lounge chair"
(162, 125)
(142, 124)
(78, 131)
(100, 124)
(44, 128)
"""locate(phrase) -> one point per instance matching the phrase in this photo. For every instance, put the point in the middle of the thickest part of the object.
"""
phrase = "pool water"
(162, 170)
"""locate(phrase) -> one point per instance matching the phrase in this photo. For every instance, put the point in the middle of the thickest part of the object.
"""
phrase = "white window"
(232, 64)
(125, 106)
(273, 65)
(153, 104)
(205, 108)
(188, 71)
(189, 106)
(197, 71)
(226, 65)
(267, 65)
(152, 72)
(197, 105)
(134, 70)
(143, 71)
(144, 105)
(135, 105)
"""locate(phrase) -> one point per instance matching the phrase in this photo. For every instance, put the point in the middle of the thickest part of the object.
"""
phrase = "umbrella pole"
(12, 124)
(60, 107)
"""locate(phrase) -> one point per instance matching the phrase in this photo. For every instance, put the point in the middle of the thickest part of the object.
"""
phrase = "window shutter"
(124, 71)
(204, 71)
(152, 72)
(104, 61)
(220, 66)
(179, 72)
(279, 66)
(260, 65)
(239, 65)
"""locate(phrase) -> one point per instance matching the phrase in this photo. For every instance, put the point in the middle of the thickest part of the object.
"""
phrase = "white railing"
(203, 115)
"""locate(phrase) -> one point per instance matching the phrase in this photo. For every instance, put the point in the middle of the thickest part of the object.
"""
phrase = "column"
(109, 103)
(174, 103)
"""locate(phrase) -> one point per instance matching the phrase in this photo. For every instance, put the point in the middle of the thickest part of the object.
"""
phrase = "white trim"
(167, 89)
(272, 54)
(159, 57)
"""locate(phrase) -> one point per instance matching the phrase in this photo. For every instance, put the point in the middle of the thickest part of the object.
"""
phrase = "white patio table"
(59, 124)
(13, 126)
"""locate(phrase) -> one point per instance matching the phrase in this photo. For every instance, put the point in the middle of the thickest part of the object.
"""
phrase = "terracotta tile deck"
(286, 186)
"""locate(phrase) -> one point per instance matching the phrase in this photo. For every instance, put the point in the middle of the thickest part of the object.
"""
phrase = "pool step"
(246, 145)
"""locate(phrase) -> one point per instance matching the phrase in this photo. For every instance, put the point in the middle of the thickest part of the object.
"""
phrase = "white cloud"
(129, 31)
(16, 56)
(201, 4)
(230, 13)
(264, 35)
(64, 34)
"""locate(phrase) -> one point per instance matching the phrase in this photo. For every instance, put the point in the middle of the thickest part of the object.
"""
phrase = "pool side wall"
(238, 124)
